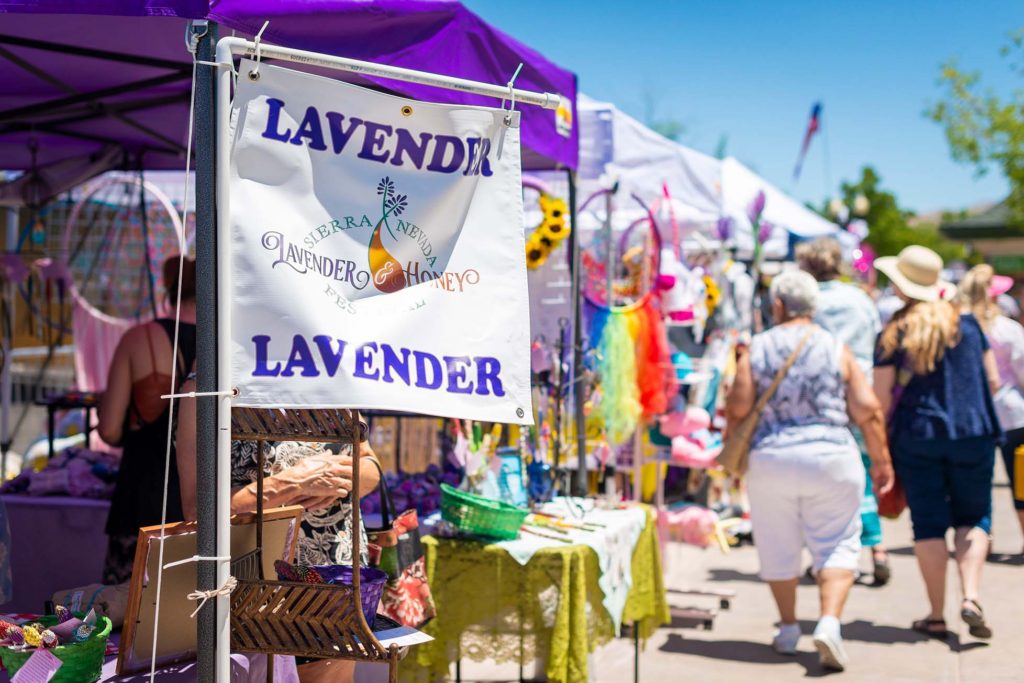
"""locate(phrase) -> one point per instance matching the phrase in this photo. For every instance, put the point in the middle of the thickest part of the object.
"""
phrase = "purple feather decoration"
(756, 207)
(723, 230)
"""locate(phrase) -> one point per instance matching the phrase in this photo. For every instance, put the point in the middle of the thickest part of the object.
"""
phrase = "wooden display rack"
(300, 619)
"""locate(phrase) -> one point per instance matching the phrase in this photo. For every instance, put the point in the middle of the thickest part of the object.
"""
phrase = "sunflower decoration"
(712, 294)
(536, 253)
(549, 234)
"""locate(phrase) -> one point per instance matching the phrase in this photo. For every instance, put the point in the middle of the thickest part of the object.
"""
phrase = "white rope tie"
(511, 95)
(508, 120)
(220, 65)
(203, 596)
(193, 46)
(195, 394)
(254, 75)
(194, 558)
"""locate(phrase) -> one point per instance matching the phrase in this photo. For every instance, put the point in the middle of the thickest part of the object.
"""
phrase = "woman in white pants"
(806, 479)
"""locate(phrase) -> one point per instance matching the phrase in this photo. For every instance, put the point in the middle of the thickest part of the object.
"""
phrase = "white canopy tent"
(615, 147)
(740, 186)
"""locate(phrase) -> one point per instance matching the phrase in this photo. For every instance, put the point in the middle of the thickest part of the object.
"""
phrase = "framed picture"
(177, 634)
(510, 477)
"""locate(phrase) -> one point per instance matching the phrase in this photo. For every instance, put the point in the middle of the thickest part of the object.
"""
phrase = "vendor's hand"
(340, 466)
(882, 477)
(318, 476)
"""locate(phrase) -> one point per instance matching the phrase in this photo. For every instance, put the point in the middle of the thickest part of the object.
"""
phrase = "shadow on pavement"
(743, 651)
(732, 575)
(869, 632)
(1009, 559)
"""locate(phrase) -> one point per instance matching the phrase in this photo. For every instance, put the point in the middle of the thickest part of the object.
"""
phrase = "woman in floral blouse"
(295, 473)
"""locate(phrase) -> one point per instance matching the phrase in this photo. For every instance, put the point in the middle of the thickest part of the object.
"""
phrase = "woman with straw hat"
(979, 290)
(934, 375)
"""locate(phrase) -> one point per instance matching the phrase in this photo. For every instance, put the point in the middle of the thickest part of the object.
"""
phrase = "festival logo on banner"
(377, 252)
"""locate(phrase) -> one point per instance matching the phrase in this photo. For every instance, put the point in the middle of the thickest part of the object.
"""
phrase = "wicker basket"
(301, 619)
(481, 516)
(82, 662)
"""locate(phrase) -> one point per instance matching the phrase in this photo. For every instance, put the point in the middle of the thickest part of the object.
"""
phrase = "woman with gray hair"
(845, 310)
(806, 479)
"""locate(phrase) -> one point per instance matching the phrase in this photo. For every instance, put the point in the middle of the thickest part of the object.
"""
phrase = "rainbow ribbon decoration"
(634, 363)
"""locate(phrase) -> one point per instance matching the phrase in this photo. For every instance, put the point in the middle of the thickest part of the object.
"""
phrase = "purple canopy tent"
(80, 80)
(77, 86)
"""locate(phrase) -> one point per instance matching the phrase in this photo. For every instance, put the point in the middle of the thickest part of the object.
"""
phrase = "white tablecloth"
(614, 544)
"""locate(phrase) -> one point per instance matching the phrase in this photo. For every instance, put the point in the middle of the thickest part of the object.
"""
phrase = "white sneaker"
(829, 642)
(786, 638)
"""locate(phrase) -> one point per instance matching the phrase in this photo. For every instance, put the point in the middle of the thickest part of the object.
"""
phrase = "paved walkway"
(876, 622)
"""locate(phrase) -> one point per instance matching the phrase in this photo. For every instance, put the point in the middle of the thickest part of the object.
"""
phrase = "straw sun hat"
(916, 271)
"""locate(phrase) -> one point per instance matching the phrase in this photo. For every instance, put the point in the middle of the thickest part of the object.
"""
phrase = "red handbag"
(892, 504)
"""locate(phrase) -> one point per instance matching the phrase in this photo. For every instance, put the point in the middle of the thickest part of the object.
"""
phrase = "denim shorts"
(948, 483)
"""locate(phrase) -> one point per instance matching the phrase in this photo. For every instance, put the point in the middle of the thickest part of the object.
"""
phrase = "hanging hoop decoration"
(116, 238)
(640, 259)
(553, 228)
(632, 347)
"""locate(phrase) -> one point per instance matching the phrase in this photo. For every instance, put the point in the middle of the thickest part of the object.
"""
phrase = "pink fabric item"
(691, 453)
(1001, 284)
(693, 524)
(684, 424)
(681, 316)
(96, 340)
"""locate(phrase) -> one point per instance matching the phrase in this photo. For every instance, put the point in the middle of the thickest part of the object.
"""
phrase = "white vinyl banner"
(377, 252)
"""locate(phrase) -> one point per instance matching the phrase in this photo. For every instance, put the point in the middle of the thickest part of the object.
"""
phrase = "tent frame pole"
(92, 99)
(209, 648)
(78, 51)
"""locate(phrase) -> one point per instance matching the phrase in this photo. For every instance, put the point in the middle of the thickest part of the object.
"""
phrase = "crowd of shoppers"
(910, 405)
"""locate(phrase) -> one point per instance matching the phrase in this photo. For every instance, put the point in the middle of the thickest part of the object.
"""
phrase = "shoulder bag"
(892, 504)
(407, 598)
(735, 455)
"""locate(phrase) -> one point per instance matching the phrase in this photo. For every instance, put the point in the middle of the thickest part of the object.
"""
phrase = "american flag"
(812, 127)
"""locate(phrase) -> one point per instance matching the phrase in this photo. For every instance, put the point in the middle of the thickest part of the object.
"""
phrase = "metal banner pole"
(579, 383)
(213, 280)
(206, 345)
(246, 48)
(223, 333)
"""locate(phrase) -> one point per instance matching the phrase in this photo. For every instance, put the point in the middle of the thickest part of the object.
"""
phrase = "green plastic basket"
(83, 662)
(481, 516)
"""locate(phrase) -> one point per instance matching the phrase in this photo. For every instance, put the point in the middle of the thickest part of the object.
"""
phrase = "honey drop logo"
(387, 272)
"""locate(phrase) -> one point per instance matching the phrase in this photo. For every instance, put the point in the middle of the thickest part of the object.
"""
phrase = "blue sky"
(751, 71)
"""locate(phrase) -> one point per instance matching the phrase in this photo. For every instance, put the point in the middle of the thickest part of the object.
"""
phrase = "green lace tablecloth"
(492, 608)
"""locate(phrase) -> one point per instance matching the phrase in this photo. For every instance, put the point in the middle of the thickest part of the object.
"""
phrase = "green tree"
(983, 129)
(890, 227)
(670, 127)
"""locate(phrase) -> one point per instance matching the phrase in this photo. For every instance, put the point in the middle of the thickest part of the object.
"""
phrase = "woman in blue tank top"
(935, 375)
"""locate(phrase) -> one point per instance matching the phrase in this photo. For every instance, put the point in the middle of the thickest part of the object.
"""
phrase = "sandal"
(882, 570)
(935, 628)
(974, 617)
